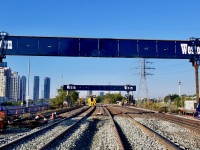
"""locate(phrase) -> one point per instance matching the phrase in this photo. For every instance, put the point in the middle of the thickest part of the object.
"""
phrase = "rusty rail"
(164, 141)
(167, 143)
(115, 128)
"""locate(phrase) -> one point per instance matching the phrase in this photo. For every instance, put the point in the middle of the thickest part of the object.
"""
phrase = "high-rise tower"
(5, 74)
(15, 86)
(23, 88)
(36, 87)
(47, 88)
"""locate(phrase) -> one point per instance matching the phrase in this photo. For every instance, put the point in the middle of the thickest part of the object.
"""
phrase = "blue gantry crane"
(102, 47)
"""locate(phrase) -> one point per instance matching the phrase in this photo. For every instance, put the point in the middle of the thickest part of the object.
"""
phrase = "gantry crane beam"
(72, 87)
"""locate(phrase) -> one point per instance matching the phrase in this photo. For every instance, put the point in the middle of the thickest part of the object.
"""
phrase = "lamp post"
(179, 88)
(28, 97)
(179, 91)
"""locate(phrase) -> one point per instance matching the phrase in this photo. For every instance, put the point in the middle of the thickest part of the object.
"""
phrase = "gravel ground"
(180, 135)
(137, 138)
(12, 133)
(92, 134)
(105, 137)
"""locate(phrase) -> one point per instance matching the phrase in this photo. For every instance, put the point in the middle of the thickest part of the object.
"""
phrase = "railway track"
(94, 132)
(116, 129)
(36, 138)
(181, 131)
(156, 136)
(191, 124)
(96, 129)
(187, 123)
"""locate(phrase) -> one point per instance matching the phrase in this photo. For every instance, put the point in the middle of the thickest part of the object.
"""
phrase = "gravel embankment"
(39, 139)
(11, 134)
(177, 134)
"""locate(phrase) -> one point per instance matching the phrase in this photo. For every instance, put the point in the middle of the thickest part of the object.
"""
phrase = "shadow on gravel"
(127, 145)
(14, 131)
(85, 141)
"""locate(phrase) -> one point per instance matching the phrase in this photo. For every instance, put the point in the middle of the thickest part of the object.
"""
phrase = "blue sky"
(142, 19)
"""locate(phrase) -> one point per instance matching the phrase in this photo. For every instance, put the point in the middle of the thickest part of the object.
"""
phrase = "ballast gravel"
(138, 139)
(93, 134)
(10, 134)
(182, 136)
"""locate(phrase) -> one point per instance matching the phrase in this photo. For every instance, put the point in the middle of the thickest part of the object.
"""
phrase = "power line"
(143, 87)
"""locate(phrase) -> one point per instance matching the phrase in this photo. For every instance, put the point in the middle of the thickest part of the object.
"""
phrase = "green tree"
(99, 99)
(60, 98)
(179, 102)
(73, 97)
(112, 98)
(170, 97)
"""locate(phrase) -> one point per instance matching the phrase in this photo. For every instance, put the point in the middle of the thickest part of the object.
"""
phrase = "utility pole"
(143, 78)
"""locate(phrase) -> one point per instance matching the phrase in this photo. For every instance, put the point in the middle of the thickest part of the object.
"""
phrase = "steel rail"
(12, 143)
(184, 122)
(164, 141)
(167, 143)
(192, 125)
(115, 129)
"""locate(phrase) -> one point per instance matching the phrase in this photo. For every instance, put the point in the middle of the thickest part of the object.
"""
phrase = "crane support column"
(196, 67)
(3, 35)
(195, 42)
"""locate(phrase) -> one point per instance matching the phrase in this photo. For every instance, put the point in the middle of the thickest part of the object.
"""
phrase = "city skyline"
(14, 87)
(43, 92)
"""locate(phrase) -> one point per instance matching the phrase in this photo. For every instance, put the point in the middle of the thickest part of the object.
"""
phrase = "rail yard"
(106, 127)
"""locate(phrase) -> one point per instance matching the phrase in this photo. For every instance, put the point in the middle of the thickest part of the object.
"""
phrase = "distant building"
(89, 93)
(101, 94)
(36, 85)
(47, 88)
(5, 74)
(3, 64)
(14, 87)
(23, 88)
(2, 83)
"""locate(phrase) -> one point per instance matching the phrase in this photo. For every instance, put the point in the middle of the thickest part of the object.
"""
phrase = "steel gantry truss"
(101, 47)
